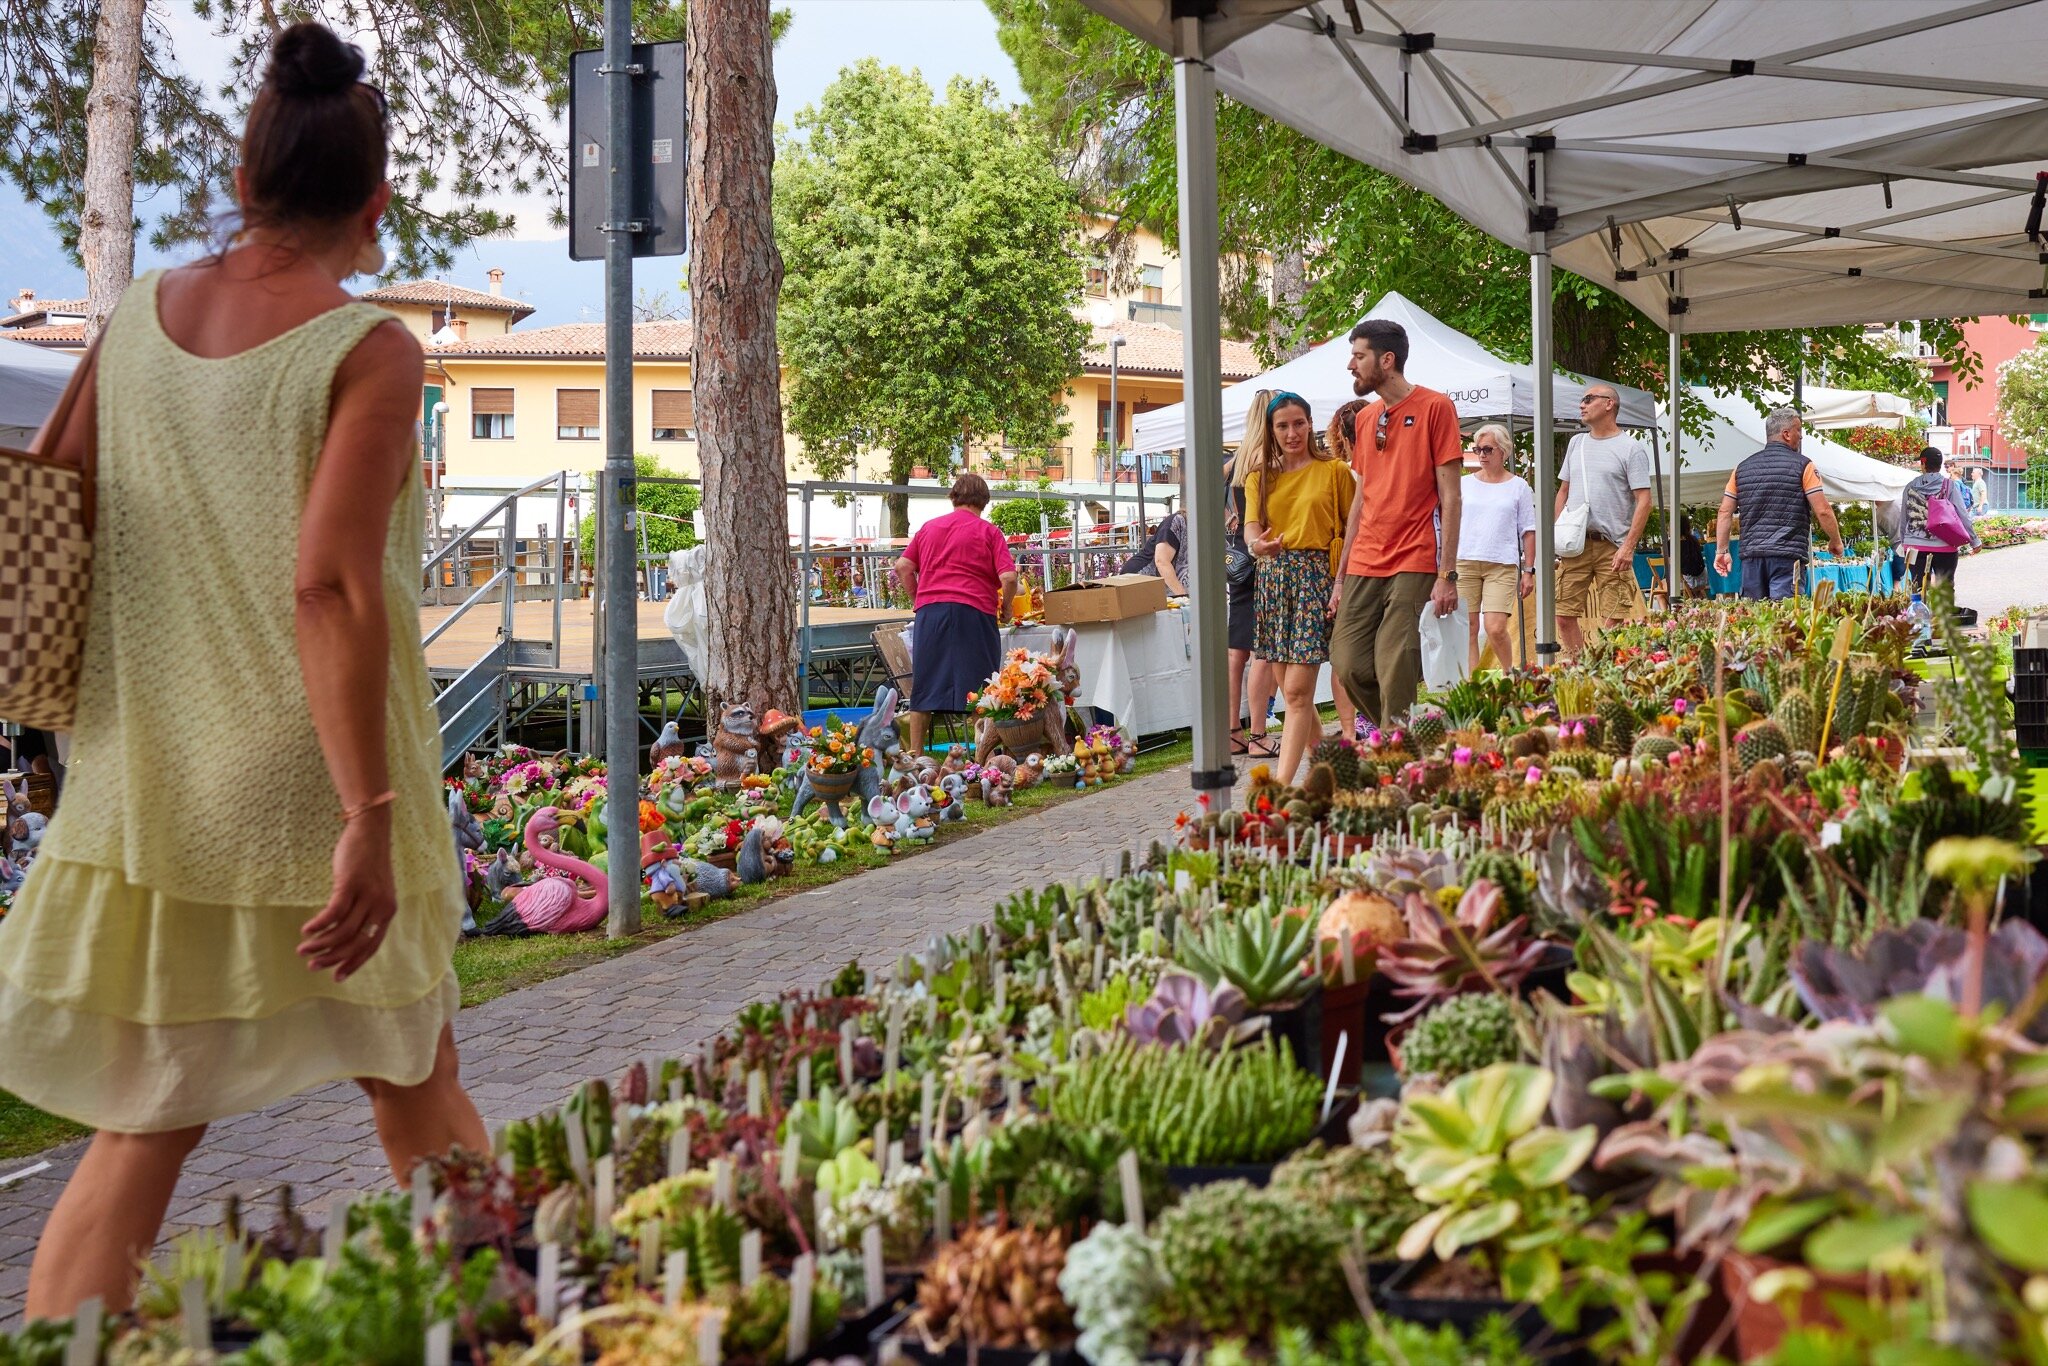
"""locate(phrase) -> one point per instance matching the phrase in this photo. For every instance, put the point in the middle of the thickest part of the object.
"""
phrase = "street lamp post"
(1105, 316)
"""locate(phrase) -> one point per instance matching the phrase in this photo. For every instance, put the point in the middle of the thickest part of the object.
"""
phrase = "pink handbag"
(1944, 523)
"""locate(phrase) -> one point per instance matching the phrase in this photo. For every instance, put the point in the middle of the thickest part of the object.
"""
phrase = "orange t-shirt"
(1397, 524)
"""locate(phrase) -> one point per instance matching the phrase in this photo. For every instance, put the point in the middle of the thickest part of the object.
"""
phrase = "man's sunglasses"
(1379, 435)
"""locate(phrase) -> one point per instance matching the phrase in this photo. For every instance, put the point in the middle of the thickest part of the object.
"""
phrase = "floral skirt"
(1291, 611)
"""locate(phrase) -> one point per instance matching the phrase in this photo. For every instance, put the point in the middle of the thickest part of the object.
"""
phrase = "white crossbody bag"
(1568, 536)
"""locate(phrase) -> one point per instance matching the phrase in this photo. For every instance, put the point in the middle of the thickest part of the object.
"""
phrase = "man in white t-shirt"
(1608, 470)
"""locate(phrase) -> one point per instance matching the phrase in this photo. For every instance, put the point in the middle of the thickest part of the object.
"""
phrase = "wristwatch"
(1449, 576)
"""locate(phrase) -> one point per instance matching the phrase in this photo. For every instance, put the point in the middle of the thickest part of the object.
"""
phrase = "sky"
(941, 38)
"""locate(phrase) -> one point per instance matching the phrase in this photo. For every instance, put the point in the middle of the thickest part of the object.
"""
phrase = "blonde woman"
(1297, 498)
(1497, 548)
(1248, 732)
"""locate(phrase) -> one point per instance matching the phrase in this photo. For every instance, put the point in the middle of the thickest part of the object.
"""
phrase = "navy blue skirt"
(953, 650)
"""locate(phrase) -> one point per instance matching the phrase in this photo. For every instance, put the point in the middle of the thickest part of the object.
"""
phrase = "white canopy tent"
(1892, 144)
(31, 381)
(1735, 431)
(1484, 386)
(1830, 410)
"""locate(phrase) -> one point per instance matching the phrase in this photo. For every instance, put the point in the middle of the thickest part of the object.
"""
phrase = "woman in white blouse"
(1496, 543)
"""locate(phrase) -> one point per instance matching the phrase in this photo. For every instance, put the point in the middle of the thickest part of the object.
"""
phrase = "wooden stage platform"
(833, 630)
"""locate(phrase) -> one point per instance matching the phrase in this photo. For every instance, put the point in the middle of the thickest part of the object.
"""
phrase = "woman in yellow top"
(1297, 497)
(250, 889)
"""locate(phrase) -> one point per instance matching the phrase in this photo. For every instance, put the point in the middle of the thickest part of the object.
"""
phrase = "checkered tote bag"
(46, 520)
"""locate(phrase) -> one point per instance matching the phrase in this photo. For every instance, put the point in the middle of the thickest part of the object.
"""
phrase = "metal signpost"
(627, 146)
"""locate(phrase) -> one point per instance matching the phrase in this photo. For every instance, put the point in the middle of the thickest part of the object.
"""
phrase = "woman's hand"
(350, 929)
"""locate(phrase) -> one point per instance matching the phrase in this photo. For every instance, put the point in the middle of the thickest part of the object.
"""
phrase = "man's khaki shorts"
(1588, 589)
(1484, 586)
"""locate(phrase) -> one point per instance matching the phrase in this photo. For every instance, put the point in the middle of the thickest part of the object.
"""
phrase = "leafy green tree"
(931, 268)
(2023, 414)
(668, 509)
(1019, 516)
(1106, 99)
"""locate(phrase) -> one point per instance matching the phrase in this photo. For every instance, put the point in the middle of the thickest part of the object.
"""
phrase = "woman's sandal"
(1262, 747)
(1237, 743)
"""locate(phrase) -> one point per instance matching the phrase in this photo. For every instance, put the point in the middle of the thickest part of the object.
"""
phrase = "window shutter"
(576, 407)
(490, 402)
(674, 408)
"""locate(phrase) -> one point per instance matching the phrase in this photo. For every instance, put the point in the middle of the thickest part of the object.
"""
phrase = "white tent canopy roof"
(1439, 356)
(31, 381)
(1735, 431)
(1723, 164)
(1833, 409)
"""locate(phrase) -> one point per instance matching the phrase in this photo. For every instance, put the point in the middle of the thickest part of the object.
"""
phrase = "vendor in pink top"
(960, 573)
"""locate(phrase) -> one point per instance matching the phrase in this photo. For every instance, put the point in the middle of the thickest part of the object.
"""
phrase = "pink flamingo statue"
(549, 905)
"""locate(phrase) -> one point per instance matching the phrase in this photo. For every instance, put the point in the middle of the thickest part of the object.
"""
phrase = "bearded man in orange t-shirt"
(1401, 540)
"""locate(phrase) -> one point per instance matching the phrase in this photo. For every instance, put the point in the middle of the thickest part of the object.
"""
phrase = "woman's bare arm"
(343, 632)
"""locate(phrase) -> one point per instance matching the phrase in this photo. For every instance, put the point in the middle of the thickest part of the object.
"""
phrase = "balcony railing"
(1156, 315)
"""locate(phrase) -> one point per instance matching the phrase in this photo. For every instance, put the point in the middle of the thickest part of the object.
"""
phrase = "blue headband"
(1273, 404)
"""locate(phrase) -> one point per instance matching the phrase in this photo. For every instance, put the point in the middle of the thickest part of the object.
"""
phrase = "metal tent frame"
(1850, 121)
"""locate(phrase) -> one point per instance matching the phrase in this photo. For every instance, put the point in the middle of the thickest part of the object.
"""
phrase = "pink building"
(1966, 419)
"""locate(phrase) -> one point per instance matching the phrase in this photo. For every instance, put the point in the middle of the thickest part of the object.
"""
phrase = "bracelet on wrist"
(350, 813)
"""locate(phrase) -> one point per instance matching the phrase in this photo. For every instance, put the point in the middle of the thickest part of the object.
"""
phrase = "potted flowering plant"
(1015, 697)
(837, 756)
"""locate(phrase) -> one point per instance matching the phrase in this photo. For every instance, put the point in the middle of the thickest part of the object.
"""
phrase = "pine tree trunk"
(1290, 283)
(735, 281)
(113, 108)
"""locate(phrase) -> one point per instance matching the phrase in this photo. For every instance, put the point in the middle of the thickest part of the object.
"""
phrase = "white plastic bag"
(1445, 643)
(686, 612)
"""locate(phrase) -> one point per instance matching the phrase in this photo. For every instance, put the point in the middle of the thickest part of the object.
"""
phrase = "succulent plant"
(1186, 1010)
(1428, 725)
(1241, 1260)
(1924, 958)
(1618, 725)
(1048, 1173)
(1799, 718)
(1472, 949)
(1185, 1107)
(1257, 952)
(1362, 1187)
(1655, 748)
(1341, 756)
(996, 1286)
(1114, 1283)
(1461, 1035)
(1478, 1151)
(1758, 741)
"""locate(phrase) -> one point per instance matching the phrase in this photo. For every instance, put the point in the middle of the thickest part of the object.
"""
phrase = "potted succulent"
(1267, 958)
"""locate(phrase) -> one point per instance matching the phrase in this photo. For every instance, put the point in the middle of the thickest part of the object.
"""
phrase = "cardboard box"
(1111, 598)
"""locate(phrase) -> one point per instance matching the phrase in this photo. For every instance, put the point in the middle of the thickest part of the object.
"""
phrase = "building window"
(1151, 284)
(1097, 286)
(490, 414)
(576, 415)
(441, 317)
(675, 415)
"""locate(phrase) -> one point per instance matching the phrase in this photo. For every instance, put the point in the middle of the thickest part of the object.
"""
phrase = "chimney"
(461, 326)
(497, 282)
(22, 302)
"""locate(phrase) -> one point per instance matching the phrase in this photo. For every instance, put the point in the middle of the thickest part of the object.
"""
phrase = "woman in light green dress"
(250, 888)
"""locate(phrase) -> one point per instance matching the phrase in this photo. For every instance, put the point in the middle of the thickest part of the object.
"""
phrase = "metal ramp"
(474, 705)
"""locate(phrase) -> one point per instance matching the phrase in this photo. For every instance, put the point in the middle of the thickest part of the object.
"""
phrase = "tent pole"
(1672, 382)
(1194, 105)
(1546, 461)
(1657, 496)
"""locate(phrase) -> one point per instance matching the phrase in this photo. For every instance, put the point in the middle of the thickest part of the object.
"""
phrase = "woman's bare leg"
(415, 1122)
(1303, 726)
(1239, 660)
(1347, 715)
(1265, 681)
(106, 1221)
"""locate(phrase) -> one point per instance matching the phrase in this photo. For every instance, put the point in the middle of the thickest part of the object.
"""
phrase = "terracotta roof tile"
(437, 293)
(1149, 349)
(42, 308)
(48, 334)
(577, 341)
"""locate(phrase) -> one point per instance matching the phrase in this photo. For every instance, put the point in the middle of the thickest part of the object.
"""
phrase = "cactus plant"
(1342, 757)
(1799, 718)
(1618, 725)
(1760, 740)
(1654, 749)
(1427, 726)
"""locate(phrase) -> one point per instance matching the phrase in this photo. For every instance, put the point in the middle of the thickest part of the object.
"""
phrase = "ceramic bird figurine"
(550, 905)
(668, 744)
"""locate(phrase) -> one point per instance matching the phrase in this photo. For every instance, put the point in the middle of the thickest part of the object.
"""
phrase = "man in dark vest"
(1777, 493)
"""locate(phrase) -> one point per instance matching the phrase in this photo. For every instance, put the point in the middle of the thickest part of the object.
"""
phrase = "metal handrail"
(472, 600)
(510, 501)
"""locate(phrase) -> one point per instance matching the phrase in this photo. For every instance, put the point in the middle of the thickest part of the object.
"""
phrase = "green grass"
(25, 1130)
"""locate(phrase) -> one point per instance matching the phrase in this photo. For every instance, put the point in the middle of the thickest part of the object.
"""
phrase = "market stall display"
(1626, 950)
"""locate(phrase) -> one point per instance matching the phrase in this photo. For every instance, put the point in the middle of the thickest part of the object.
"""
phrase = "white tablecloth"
(1139, 670)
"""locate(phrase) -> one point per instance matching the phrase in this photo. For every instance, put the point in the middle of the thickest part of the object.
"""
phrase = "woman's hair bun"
(308, 60)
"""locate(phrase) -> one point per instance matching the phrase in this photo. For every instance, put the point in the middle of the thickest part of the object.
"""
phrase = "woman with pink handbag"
(1937, 522)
